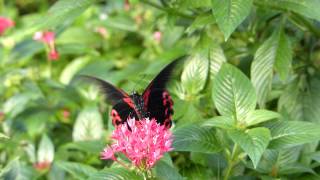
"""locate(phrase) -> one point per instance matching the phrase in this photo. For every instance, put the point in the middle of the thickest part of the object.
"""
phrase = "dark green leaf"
(308, 8)
(164, 171)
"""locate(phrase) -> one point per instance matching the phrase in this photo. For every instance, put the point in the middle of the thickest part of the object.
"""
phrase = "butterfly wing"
(157, 100)
(122, 103)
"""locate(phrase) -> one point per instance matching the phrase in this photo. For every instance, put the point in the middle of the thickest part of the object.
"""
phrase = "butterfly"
(155, 101)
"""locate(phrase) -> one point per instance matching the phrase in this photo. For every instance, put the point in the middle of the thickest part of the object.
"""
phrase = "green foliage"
(229, 14)
(246, 98)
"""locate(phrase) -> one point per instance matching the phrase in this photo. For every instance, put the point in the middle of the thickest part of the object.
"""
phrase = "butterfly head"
(139, 104)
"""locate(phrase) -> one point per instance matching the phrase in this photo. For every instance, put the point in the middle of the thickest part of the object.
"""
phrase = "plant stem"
(231, 161)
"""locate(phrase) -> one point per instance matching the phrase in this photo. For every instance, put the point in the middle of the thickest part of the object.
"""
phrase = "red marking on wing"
(116, 120)
(129, 101)
(167, 102)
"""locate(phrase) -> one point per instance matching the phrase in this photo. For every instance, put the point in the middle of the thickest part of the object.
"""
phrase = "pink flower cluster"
(48, 38)
(5, 23)
(143, 142)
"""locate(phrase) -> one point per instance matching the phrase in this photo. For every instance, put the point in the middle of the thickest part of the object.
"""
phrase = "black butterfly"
(155, 101)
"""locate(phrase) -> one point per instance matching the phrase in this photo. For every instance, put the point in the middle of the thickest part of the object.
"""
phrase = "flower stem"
(231, 161)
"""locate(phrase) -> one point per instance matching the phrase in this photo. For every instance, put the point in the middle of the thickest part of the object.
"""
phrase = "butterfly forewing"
(123, 105)
(157, 100)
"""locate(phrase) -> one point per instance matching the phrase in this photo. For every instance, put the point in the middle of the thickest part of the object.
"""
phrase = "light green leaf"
(253, 141)
(63, 12)
(72, 68)
(274, 52)
(222, 122)
(216, 59)
(88, 125)
(292, 133)
(233, 93)
(230, 13)
(77, 170)
(115, 173)
(195, 138)
(194, 75)
(259, 116)
(164, 171)
(16, 104)
(3, 136)
(45, 150)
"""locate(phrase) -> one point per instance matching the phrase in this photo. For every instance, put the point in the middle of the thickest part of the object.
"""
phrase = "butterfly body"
(154, 103)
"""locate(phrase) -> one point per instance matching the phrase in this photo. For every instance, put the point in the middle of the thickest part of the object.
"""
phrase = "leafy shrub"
(247, 103)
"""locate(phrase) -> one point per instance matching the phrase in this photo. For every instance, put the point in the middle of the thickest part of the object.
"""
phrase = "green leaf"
(16, 170)
(72, 68)
(222, 122)
(77, 170)
(86, 146)
(259, 116)
(63, 12)
(115, 173)
(315, 156)
(194, 75)
(216, 59)
(194, 4)
(88, 125)
(200, 21)
(301, 103)
(233, 93)
(165, 171)
(195, 138)
(295, 168)
(307, 8)
(230, 13)
(276, 53)
(46, 150)
(291, 133)
(3, 136)
(253, 141)
(273, 160)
